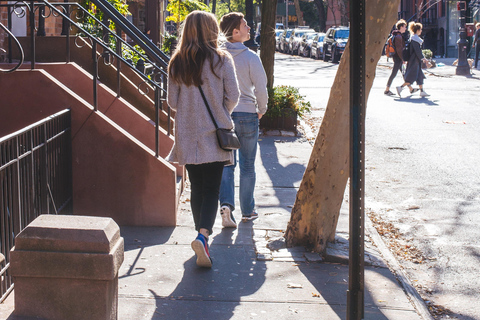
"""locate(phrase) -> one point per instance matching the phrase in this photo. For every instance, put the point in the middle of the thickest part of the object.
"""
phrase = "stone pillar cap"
(65, 233)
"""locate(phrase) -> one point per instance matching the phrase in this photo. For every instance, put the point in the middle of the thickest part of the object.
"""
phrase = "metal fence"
(35, 178)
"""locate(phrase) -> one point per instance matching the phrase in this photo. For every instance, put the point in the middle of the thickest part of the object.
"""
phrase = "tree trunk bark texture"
(267, 36)
(317, 206)
(322, 15)
(214, 6)
(299, 13)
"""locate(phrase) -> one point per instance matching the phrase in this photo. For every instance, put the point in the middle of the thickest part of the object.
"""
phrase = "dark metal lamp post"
(251, 44)
(463, 68)
(356, 257)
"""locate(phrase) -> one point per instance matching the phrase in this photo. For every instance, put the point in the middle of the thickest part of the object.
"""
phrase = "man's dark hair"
(229, 22)
(400, 23)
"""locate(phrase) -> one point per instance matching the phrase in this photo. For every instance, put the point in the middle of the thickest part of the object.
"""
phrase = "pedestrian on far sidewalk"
(476, 44)
(414, 72)
(252, 105)
(199, 64)
(399, 44)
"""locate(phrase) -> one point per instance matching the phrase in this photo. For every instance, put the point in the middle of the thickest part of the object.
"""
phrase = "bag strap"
(208, 107)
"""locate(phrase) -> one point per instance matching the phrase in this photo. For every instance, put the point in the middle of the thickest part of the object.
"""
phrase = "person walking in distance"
(476, 44)
(414, 71)
(252, 105)
(399, 44)
(198, 63)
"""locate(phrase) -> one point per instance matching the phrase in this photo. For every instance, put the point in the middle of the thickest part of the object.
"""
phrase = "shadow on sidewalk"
(215, 293)
(287, 172)
(418, 100)
(150, 236)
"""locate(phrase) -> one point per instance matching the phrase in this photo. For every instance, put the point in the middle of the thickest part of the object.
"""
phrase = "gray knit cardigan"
(195, 134)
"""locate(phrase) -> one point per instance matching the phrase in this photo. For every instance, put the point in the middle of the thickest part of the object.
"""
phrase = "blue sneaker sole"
(203, 260)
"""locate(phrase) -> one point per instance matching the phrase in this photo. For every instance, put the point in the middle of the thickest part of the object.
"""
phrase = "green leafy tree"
(179, 9)
(91, 25)
(310, 15)
(222, 9)
(237, 6)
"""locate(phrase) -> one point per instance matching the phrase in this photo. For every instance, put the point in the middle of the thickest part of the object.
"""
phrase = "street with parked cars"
(306, 42)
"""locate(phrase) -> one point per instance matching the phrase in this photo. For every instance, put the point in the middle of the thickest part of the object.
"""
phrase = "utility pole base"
(462, 70)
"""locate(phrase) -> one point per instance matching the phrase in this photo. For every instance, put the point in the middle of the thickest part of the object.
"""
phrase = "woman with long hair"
(414, 71)
(197, 63)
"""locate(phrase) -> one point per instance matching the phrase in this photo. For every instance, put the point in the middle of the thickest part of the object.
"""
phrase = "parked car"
(278, 26)
(316, 50)
(334, 43)
(284, 39)
(306, 44)
(295, 39)
(278, 33)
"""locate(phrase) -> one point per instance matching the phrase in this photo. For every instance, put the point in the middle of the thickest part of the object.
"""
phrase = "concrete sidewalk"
(160, 280)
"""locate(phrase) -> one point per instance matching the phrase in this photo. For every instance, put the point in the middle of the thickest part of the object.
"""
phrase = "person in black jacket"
(476, 44)
(414, 71)
(399, 44)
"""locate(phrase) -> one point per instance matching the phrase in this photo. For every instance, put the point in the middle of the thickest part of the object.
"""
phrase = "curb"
(394, 266)
(389, 258)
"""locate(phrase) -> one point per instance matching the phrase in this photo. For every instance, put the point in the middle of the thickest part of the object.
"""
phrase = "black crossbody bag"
(227, 138)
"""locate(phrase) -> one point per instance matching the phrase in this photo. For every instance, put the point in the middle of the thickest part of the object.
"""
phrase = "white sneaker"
(228, 221)
(399, 91)
(424, 94)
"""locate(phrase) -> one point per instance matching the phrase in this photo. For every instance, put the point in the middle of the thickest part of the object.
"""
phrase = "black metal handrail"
(157, 80)
(22, 56)
(35, 178)
(133, 32)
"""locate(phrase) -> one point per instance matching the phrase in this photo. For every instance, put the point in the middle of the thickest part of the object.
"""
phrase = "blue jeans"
(246, 127)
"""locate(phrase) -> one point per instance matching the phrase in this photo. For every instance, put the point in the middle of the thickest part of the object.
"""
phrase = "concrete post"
(66, 267)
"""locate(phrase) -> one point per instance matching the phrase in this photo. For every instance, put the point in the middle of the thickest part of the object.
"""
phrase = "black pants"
(397, 64)
(477, 53)
(205, 182)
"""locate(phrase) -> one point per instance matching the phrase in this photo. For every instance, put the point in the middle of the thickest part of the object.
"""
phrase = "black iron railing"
(107, 45)
(12, 39)
(430, 17)
(35, 178)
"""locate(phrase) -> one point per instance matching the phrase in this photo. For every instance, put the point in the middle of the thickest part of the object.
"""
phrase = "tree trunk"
(267, 38)
(299, 13)
(322, 15)
(214, 6)
(331, 6)
(315, 214)
(419, 10)
(344, 13)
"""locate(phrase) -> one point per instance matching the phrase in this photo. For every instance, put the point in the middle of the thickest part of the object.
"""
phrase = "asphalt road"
(422, 175)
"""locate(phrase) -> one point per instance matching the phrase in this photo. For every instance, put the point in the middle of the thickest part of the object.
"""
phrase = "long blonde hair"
(198, 42)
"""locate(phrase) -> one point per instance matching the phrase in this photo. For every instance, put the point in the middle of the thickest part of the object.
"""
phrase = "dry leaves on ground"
(396, 242)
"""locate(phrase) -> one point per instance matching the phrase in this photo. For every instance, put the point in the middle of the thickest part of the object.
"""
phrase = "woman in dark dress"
(414, 71)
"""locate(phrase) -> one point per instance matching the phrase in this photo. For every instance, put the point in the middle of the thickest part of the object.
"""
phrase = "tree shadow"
(149, 236)
(215, 293)
(280, 175)
(331, 282)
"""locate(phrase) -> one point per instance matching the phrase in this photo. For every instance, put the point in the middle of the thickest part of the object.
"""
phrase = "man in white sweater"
(251, 106)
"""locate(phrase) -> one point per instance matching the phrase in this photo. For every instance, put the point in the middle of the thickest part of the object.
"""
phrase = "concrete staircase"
(115, 171)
